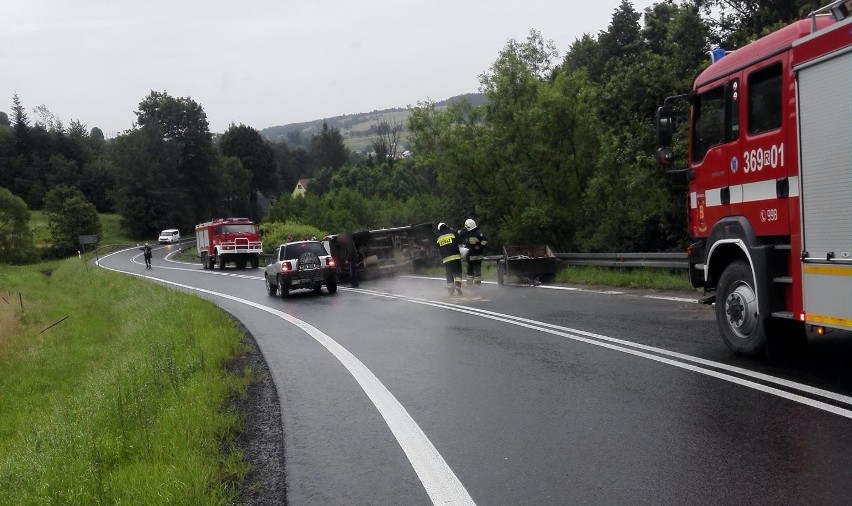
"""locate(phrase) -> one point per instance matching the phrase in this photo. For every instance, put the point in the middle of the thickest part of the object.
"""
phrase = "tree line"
(560, 151)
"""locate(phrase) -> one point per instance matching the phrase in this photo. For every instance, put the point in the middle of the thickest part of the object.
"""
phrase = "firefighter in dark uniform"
(448, 245)
(475, 241)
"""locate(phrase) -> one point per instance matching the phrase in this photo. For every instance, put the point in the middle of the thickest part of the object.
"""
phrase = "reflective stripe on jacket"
(475, 241)
(448, 244)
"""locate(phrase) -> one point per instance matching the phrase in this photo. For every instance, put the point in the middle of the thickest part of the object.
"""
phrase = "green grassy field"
(111, 231)
(123, 400)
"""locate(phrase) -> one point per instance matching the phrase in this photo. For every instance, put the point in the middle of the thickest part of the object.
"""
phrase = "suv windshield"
(295, 250)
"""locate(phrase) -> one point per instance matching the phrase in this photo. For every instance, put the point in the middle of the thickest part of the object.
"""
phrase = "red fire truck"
(227, 240)
(770, 182)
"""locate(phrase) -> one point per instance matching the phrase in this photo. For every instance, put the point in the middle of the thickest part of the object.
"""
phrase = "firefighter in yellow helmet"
(475, 241)
(448, 245)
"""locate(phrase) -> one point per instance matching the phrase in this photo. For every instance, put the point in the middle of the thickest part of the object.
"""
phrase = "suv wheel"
(270, 288)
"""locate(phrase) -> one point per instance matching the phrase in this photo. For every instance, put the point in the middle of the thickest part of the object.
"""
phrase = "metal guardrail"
(650, 260)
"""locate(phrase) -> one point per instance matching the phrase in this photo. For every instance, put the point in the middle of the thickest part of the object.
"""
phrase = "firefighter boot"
(458, 287)
(450, 288)
(470, 281)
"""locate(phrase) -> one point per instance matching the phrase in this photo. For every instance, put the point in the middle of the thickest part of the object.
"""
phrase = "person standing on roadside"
(448, 244)
(475, 241)
(146, 252)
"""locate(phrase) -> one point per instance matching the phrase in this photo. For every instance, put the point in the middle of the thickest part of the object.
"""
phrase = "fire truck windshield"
(708, 117)
(238, 229)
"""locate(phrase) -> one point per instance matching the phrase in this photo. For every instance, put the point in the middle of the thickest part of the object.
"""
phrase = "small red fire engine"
(228, 240)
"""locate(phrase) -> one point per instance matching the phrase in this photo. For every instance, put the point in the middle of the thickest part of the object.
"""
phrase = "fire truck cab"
(228, 240)
(770, 182)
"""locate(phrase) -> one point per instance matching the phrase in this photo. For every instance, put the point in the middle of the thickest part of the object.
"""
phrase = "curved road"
(398, 393)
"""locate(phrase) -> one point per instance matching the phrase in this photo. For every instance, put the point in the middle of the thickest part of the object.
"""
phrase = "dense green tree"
(183, 123)
(257, 158)
(286, 171)
(622, 40)
(70, 215)
(148, 196)
(16, 238)
(734, 23)
(238, 194)
(97, 182)
(327, 148)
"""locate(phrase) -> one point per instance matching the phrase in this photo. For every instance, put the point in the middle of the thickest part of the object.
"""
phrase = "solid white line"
(624, 347)
(435, 474)
(546, 287)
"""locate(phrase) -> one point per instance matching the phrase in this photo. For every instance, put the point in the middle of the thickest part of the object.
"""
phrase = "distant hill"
(356, 129)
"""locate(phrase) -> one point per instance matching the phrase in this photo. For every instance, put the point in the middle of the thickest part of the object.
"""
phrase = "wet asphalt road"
(397, 393)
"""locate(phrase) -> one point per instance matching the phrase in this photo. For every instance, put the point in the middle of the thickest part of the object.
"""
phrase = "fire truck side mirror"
(665, 126)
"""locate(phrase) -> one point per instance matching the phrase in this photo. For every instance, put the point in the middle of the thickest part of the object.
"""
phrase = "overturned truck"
(384, 252)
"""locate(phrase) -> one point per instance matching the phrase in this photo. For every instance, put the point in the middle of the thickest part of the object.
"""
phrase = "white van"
(169, 236)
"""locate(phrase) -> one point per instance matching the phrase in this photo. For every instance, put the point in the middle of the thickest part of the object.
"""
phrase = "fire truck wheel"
(204, 260)
(220, 262)
(742, 328)
(270, 288)
(331, 286)
(254, 262)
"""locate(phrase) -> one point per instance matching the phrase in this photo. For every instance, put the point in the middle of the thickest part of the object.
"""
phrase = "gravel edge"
(262, 436)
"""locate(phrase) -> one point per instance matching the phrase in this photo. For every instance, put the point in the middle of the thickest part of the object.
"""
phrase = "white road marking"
(673, 299)
(688, 358)
(646, 352)
(545, 287)
(435, 474)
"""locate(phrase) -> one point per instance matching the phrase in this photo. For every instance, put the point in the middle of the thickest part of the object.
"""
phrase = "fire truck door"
(715, 127)
(762, 186)
(825, 122)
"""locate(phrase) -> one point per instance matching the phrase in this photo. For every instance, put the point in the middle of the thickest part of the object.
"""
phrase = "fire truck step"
(783, 279)
(783, 247)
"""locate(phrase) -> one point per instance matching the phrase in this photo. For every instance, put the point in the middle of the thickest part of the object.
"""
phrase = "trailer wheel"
(741, 326)
(500, 273)
(270, 288)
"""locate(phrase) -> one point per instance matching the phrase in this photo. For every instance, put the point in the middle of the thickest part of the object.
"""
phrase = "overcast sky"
(265, 63)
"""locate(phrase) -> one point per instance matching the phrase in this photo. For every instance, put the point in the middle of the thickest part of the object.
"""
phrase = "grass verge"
(124, 401)
(639, 277)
